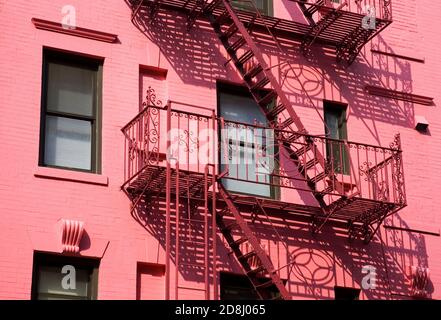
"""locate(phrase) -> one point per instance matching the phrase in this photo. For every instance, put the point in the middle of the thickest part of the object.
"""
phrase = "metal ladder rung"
(285, 124)
(318, 177)
(254, 71)
(245, 57)
(256, 271)
(267, 99)
(264, 285)
(260, 84)
(231, 31)
(276, 111)
(247, 255)
(236, 45)
(238, 242)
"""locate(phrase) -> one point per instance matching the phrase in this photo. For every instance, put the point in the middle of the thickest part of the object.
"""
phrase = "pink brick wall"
(31, 205)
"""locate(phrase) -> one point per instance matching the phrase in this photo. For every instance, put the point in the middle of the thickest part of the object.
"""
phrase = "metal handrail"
(256, 126)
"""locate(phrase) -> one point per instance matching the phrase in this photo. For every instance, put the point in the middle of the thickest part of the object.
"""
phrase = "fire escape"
(358, 199)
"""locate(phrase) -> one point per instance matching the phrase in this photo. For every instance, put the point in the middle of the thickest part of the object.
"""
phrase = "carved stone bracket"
(71, 234)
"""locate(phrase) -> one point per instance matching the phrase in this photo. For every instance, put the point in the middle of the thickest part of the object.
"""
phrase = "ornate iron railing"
(381, 9)
(259, 160)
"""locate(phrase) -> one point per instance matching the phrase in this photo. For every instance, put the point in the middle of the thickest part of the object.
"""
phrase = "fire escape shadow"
(192, 55)
(318, 264)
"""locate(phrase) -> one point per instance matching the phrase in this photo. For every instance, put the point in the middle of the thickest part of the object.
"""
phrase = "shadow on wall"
(192, 55)
(317, 263)
(370, 69)
(197, 60)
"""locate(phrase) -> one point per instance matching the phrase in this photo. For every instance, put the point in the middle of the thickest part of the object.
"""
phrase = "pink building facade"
(87, 183)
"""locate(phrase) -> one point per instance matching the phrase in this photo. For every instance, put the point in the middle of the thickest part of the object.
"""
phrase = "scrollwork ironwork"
(151, 98)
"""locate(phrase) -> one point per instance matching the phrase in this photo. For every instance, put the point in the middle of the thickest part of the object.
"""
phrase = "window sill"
(73, 176)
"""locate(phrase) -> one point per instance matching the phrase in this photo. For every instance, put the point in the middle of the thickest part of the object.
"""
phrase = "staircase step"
(313, 9)
(245, 57)
(236, 45)
(276, 111)
(222, 17)
(254, 71)
(269, 97)
(260, 85)
(301, 151)
(231, 31)
(293, 137)
(318, 177)
(238, 242)
(256, 271)
(246, 256)
(285, 124)
(310, 164)
(266, 284)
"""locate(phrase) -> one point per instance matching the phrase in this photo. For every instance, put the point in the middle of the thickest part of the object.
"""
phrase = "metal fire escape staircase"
(265, 89)
(257, 75)
(238, 40)
(263, 266)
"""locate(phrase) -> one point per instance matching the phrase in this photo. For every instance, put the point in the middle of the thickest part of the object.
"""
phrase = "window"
(344, 293)
(264, 6)
(247, 150)
(238, 287)
(70, 124)
(49, 280)
(337, 153)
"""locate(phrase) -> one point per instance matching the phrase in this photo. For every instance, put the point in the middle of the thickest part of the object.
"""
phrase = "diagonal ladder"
(266, 89)
(264, 265)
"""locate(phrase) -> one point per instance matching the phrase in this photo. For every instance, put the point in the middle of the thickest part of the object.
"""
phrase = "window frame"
(72, 59)
(267, 11)
(237, 89)
(341, 108)
(49, 259)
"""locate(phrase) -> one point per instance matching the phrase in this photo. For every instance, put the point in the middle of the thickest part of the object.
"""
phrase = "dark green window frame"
(75, 60)
(44, 259)
(336, 128)
(265, 6)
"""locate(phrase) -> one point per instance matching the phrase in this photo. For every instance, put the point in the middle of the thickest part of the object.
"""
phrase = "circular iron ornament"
(311, 266)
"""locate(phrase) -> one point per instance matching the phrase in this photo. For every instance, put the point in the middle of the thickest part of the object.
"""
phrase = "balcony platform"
(339, 30)
(373, 187)
(152, 181)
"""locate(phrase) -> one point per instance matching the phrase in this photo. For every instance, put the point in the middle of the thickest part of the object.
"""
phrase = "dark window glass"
(264, 6)
(71, 112)
(238, 287)
(343, 293)
(51, 283)
(337, 153)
